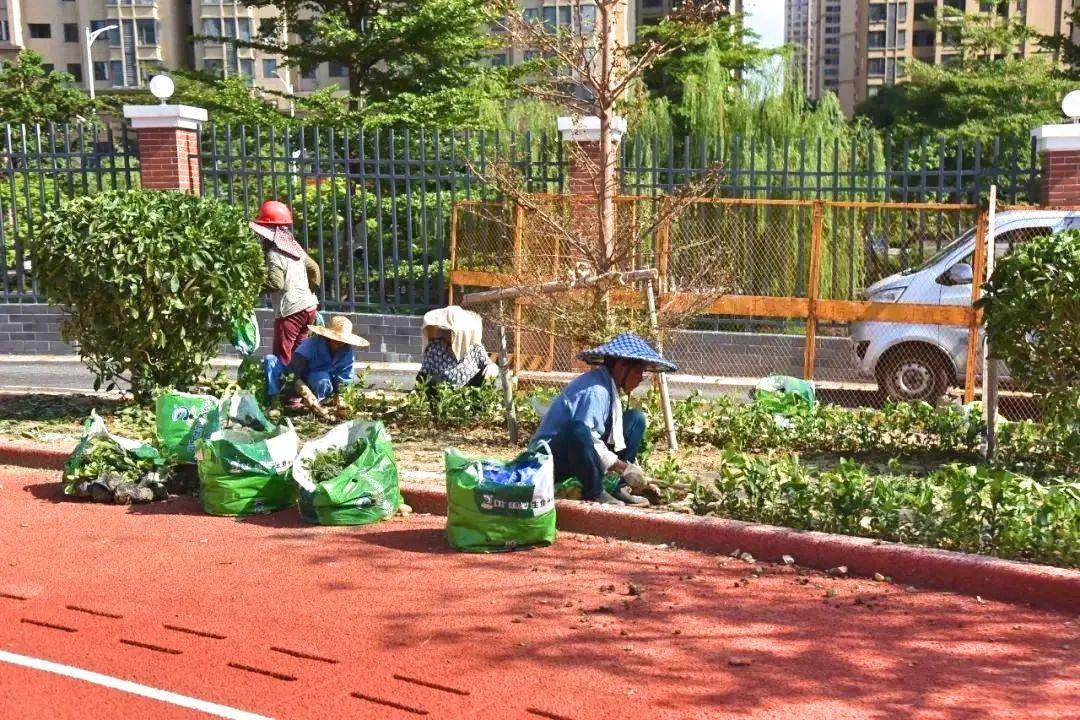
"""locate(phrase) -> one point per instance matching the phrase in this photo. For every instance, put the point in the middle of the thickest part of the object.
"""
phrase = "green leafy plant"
(107, 473)
(895, 428)
(328, 464)
(151, 282)
(31, 93)
(957, 506)
(1032, 305)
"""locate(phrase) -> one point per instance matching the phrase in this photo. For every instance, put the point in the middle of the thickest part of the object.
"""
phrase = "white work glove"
(491, 370)
(634, 477)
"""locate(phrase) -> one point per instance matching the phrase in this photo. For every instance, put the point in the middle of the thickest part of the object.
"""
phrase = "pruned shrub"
(150, 281)
(1032, 304)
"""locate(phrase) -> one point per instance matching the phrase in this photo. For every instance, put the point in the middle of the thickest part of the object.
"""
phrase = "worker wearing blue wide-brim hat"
(587, 429)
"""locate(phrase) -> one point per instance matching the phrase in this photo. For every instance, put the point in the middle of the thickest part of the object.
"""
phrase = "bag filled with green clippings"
(105, 467)
(784, 394)
(182, 419)
(348, 476)
(247, 472)
(245, 337)
(494, 506)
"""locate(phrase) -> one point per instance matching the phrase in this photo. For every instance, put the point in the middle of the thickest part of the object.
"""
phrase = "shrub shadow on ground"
(53, 492)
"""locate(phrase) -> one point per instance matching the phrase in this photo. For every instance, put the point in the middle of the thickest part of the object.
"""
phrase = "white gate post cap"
(587, 128)
(176, 117)
(1057, 138)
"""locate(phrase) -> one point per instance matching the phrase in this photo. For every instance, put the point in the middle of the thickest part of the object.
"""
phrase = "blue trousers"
(575, 455)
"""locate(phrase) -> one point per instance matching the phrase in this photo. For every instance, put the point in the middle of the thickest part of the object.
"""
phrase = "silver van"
(921, 362)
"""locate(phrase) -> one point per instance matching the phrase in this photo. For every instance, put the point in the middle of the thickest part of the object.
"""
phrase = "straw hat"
(339, 329)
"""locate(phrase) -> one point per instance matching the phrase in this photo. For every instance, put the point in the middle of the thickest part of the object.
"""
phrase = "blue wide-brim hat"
(628, 346)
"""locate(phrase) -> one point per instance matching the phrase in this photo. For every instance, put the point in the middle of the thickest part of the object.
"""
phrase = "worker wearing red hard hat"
(291, 277)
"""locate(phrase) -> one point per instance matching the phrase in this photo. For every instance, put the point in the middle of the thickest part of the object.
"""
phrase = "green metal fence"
(42, 165)
(374, 207)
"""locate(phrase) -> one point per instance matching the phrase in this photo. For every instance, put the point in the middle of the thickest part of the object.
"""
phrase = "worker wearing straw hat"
(323, 366)
(589, 432)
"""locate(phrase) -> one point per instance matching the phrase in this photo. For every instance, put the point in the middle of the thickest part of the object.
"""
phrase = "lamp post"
(91, 36)
(286, 79)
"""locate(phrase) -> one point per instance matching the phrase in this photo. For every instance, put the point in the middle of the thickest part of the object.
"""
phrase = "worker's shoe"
(604, 499)
(624, 495)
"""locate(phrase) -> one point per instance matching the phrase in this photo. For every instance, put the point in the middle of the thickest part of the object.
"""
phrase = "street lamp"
(162, 87)
(91, 36)
(1070, 105)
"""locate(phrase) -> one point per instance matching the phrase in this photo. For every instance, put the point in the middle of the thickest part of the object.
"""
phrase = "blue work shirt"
(312, 363)
(589, 399)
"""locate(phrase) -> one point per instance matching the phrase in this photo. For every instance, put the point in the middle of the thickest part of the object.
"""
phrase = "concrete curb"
(1038, 585)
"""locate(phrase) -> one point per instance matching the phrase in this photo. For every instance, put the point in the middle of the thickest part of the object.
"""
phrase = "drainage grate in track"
(98, 613)
(389, 703)
(260, 671)
(51, 626)
(189, 631)
(429, 684)
(149, 646)
(304, 655)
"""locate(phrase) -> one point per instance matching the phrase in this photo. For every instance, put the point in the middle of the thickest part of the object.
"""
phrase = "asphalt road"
(50, 374)
(55, 374)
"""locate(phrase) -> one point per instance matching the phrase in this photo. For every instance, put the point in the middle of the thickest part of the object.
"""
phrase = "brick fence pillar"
(1059, 149)
(582, 138)
(168, 140)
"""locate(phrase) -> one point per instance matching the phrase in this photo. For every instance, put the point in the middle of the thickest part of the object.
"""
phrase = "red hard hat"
(273, 212)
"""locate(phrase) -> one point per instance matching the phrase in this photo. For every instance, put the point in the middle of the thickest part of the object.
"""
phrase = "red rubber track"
(387, 622)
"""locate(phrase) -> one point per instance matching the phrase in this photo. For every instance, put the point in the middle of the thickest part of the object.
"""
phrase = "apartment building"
(855, 47)
(892, 32)
(650, 12)
(146, 34)
(149, 34)
(800, 33)
(839, 50)
(566, 14)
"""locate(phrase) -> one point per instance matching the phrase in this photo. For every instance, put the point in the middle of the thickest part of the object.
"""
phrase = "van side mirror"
(958, 274)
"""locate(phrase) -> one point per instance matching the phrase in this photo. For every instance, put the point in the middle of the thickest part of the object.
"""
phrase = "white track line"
(127, 686)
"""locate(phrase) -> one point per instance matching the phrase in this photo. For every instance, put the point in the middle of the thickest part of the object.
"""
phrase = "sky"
(766, 18)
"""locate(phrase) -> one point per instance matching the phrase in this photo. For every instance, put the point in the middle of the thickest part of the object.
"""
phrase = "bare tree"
(587, 70)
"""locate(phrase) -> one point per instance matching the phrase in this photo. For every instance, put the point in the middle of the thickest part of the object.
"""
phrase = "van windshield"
(938, 256)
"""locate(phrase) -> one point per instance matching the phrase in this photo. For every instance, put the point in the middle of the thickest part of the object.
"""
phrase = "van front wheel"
(914, 372)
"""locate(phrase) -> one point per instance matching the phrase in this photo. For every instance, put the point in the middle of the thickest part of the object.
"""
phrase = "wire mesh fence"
(873, 301)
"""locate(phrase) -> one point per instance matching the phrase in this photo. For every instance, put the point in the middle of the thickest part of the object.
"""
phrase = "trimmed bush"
(151, 282)
(1032, 304)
